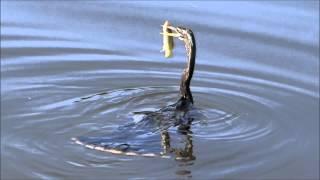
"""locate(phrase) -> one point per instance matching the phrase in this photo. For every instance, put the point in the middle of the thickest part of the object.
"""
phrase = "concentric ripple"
(215, 122)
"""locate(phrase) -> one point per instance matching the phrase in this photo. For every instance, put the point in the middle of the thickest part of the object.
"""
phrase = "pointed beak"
(174, 32)
(171, 34)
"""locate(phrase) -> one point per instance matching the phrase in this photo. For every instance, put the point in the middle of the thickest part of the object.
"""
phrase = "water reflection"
(185, 153)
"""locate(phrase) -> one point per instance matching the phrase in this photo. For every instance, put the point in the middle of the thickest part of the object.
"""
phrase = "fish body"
(168, 43)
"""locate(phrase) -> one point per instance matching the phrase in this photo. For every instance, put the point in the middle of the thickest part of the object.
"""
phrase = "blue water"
(83, 68)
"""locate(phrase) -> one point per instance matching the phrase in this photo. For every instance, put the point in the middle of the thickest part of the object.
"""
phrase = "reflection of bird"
(180, 114)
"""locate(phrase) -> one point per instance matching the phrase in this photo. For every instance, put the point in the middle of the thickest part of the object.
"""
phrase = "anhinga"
(178, 114)
(187, 36)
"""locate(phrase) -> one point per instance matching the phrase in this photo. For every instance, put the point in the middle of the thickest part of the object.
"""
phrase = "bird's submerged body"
(146, 136)
(150, 135)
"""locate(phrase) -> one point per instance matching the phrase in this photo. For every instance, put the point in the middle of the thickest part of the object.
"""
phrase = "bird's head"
(181, 33)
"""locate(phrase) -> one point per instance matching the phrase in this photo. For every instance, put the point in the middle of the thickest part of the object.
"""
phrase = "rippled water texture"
(74, 69)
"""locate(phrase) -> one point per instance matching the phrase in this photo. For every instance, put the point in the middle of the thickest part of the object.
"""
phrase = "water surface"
(82, 68)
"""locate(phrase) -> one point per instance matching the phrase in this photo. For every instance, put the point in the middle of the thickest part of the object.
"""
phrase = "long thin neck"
(190, 45)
